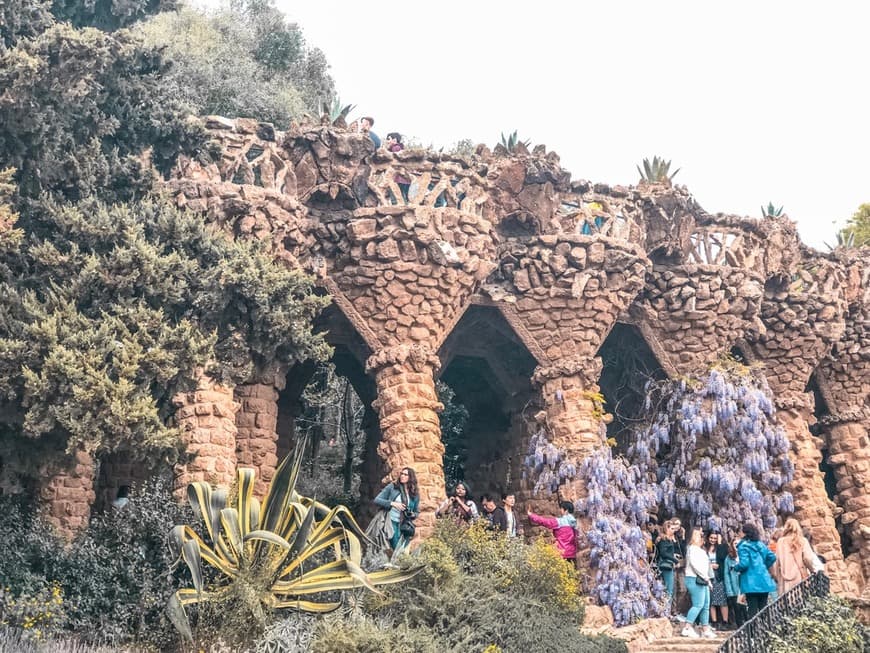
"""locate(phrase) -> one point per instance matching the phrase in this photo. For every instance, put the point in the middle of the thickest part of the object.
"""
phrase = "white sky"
(755, 101)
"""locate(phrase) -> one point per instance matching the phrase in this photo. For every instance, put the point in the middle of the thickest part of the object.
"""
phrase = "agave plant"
(511, 142)
(336, 112)
(845, 240)
(657, 171)
(286, 553)
(771, 211)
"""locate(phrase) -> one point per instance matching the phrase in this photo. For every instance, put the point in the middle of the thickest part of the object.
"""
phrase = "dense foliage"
(80, 108)
(478, 590)
(709, 452)
(823, 625)
(109, 310)
(111, 583)
(243, 59)
(857, 230)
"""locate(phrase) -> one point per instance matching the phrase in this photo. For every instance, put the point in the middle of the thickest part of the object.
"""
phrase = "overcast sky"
(755, 101)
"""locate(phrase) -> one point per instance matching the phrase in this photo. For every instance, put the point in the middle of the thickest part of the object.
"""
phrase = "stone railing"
(752, 636)
(396, 179)
(595, 215)
(723, 246)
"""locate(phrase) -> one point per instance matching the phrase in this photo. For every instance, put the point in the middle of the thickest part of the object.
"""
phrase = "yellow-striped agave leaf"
(309, 606)
(190, 553)
(245, 500)
(268, 537)
(282, 488)
(230, 524)
(182, 533)
(326, 540)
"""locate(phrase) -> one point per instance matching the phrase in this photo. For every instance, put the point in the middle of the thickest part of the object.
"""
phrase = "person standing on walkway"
(699, 581)
(753, 561)
(794, 557)
(667, 550)
(564, 529)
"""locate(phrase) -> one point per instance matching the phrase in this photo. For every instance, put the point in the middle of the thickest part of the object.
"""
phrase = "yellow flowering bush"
(39, 615)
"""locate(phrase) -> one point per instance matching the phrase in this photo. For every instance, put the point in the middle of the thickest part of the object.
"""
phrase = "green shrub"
(480, 591)
(113, 577)
(368, 636)
(824, 625)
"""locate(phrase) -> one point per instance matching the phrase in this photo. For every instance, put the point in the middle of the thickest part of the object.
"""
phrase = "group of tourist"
(729, 582)
(394, 525)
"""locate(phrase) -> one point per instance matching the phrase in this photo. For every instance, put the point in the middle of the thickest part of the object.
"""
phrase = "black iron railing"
(752, 636)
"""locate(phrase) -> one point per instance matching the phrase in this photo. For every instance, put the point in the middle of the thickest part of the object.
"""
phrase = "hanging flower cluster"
(710, 451)
(618, 504)
(715, 451)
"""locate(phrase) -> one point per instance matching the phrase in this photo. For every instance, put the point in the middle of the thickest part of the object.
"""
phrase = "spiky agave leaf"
(282, 546)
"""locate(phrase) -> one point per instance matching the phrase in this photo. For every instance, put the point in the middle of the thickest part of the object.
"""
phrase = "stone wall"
(406, 242)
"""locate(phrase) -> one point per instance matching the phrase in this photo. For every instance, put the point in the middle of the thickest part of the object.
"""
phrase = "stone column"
(257, 437)
(408, 408)
(67, 492)
(573, 419)
(207, 420)
(813, 508)
(849, 449)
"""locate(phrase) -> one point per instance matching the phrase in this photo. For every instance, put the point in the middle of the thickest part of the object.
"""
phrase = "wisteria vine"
(709, 451)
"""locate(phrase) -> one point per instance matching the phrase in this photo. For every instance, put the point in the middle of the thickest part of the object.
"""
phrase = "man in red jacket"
(564, 529)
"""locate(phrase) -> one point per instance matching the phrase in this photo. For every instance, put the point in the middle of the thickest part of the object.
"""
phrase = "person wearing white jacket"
(699, 579)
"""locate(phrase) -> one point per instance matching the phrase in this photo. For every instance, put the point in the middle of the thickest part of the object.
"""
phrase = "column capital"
(588, 369)
(419, 357)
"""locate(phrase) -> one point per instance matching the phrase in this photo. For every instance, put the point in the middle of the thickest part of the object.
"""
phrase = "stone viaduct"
(508, 280)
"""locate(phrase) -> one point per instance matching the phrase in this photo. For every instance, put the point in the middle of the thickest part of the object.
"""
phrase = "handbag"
(407, 527)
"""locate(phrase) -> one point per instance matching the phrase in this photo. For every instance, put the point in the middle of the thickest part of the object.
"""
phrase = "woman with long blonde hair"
(699, 580)
(794, 557)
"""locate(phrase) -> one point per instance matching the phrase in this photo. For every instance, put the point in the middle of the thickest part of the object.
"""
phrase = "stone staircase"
(677, 644)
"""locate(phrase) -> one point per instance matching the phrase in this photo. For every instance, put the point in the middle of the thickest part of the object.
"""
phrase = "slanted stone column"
(813, 508)
(257, 422)
(67, 492)
(849, 455)
(408, 408)
(207, 420)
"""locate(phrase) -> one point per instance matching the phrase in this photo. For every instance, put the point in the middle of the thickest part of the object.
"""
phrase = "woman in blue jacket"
(400, 502)
(753, 561)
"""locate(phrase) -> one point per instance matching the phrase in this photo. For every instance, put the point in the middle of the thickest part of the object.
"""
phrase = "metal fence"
(751, 636)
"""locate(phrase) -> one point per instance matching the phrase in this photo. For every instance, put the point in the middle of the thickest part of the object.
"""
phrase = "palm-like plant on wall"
(657, 171)
(771, 211)
(290, 552)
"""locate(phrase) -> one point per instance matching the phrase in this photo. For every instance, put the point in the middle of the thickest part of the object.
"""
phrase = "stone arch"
(350, 352)
(627, 363)
(488, 367)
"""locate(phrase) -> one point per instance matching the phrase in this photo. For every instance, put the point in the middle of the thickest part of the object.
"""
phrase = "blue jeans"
(394, 541)
(668, 580)
(700, 595)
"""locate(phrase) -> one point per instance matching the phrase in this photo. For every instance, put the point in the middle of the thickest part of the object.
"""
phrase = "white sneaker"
(708, 632)
(688, 631)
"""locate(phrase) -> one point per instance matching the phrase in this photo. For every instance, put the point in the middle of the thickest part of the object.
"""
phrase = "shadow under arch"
(489, 369)
(628, 365)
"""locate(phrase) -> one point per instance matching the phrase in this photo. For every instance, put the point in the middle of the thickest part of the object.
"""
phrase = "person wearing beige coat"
(794, 557)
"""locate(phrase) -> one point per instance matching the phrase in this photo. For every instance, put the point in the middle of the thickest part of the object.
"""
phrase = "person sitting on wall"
(564, 529)
(366, 124)
(459, 504)
(494, 515)
(394, 144)
(399, 503)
